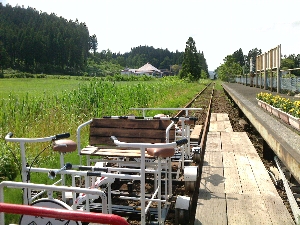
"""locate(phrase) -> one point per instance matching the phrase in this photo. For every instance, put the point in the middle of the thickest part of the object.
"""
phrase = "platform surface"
(235, 186)
(282, 138)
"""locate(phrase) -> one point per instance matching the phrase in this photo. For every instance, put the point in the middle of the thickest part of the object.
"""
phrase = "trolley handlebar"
(62, 136)
(9, 137)
(150, 145)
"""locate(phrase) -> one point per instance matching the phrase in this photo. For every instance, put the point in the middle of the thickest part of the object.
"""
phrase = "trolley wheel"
(182, 216)
(196, 157)
(189, 186)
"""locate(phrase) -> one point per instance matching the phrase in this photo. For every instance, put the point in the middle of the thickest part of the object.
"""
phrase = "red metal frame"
(63, 214)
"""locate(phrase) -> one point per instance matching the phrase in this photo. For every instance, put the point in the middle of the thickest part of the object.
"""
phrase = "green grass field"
(35, 87)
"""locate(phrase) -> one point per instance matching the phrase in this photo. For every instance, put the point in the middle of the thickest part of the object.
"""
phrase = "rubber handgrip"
(93, 174)
(182, 142)
(62, 136)
(68, 166)
(95, 168)
(9, 135)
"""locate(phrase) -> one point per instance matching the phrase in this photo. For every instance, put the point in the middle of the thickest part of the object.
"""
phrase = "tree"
(94, 43)
(229, 69)
(252, 54)
(175, 68)
(204, 67)
(239, 57)
(287, 63)
(290, 62)
(191, 68)
(3, 59)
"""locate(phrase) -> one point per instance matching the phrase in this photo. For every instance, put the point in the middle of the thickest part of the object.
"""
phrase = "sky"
(218, 27)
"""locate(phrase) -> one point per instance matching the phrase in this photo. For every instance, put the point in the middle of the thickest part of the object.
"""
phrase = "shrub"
(8, 167)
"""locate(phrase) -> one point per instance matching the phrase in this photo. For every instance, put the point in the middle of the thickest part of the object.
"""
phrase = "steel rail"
(291, 198)
(181, 112)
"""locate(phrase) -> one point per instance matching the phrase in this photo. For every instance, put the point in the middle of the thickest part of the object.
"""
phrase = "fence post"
(265, 72)
(278, 80)
(278, 69)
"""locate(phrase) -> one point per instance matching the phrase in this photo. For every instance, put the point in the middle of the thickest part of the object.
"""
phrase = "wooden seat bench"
(126, 130)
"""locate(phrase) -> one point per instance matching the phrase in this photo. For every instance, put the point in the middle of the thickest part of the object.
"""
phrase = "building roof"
(147, 67)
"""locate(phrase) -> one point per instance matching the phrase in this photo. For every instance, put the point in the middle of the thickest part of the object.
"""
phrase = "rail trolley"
(97, 194)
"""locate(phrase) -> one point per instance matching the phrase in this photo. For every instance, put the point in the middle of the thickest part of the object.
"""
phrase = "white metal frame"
(51, 188)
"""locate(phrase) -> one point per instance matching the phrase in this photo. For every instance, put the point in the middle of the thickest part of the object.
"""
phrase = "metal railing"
(64, 214)
(290, 84)
(12, 184)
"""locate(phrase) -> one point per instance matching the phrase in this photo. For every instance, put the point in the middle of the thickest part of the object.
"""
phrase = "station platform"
(235, 187)
(280, 137)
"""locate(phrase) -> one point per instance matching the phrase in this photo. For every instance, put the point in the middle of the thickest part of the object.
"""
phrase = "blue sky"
(219, 27)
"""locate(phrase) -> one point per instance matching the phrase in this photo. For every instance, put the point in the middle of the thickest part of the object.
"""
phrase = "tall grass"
(45, 114)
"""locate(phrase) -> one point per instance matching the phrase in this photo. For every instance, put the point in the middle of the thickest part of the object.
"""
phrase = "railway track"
(217, 101)
(204, 100)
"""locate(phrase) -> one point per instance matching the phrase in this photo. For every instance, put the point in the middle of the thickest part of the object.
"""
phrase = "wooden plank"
(212, 172)
(227, 126)
(112, 152)
(195, 135)
(213, 126)
(211, 209)
(213, 142)
(261, 175)
(219, 117)
(220, 126)
(247, 178)
(276, 209)
(213, 159)
(246, 142)
(213, 117)
(130, 123)
(246, 209)
(212, 180)
(134, 133)
(226, 142)
(98, 140)
(222, 117)
(232, 178)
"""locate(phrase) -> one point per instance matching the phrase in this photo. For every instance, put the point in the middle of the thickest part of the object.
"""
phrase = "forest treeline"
(36, 42)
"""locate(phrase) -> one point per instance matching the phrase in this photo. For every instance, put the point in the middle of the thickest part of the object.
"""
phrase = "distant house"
(128, 71)
(146, 69)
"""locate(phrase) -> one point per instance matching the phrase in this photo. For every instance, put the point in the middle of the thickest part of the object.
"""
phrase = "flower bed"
(284, 108)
